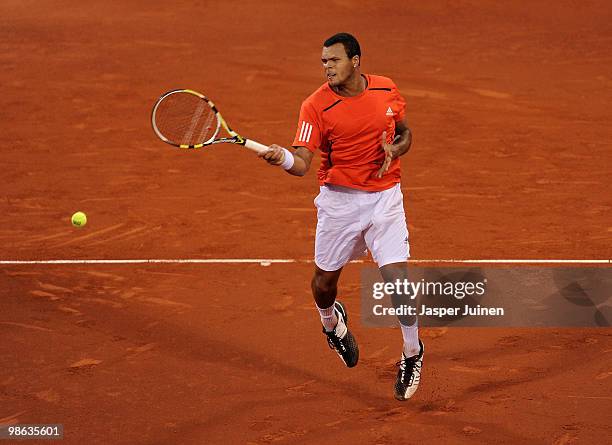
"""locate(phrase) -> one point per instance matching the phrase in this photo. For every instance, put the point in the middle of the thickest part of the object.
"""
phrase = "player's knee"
(322, 285)
(394, 271)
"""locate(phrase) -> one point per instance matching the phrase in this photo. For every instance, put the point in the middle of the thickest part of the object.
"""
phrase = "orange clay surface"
(510, 109)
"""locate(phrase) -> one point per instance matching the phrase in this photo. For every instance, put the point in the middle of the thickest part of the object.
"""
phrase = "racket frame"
(234, 138)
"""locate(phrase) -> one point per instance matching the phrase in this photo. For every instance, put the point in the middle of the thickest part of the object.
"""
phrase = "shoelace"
(331, 343)
(411, 365)
(331, 336)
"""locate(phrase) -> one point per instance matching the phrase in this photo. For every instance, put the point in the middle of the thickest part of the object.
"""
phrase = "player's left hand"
(391, 152)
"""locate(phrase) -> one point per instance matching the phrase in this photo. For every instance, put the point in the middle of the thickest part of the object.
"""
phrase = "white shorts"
(351, 221)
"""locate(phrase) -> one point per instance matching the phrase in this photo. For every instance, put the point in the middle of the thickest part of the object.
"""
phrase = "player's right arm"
(308, 139)
(302, 157)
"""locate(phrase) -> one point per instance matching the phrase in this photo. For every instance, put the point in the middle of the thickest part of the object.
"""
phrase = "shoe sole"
(340, 308)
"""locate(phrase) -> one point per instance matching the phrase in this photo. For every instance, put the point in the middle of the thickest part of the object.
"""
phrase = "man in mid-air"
(357, 122)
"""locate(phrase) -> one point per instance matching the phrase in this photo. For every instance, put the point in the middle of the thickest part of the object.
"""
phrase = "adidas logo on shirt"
(305, 132)
(390, 112)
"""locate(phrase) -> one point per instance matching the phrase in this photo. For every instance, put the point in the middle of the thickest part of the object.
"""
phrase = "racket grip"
(255, 146)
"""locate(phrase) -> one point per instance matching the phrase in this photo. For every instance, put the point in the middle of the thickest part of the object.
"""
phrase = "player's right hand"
(275, 155)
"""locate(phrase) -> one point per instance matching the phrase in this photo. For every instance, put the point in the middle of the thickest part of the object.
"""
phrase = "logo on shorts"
(406, 240)
(390, 112)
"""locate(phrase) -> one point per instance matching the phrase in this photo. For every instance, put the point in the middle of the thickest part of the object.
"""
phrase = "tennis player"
(357, 121)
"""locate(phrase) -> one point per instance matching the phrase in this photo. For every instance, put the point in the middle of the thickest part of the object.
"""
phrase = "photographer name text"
(440, 312)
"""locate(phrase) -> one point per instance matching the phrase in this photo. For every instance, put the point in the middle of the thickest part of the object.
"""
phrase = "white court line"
(268, 261)
(516, 261)
(157, 261)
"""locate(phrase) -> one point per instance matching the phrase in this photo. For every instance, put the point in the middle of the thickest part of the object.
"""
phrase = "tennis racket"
(188, 119)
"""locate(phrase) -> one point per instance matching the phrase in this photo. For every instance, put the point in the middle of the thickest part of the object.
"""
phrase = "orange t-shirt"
(348, 131)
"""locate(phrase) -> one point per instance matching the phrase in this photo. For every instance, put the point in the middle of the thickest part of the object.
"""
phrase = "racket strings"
(208, 124)
(185, 119)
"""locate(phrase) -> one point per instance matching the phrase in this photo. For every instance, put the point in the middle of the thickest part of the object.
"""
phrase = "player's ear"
(356, 61)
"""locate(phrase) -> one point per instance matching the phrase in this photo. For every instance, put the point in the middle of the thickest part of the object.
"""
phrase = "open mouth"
(330, 76)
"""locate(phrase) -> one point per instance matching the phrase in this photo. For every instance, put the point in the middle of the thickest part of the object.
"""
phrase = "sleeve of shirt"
(308, 133)
(399, 104)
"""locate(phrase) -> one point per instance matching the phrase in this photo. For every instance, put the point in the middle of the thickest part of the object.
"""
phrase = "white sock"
(328, 317)
(411, 339)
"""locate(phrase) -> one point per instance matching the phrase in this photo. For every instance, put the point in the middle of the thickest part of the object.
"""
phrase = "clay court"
(509, 106)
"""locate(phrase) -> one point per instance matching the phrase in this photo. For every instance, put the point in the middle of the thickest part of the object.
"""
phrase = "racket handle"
(255, 146)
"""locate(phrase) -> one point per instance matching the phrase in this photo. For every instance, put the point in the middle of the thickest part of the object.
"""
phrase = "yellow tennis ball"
(79, 219)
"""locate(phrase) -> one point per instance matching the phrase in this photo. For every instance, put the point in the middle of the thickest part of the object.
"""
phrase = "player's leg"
(333, 316)
(391, 273)
(387, 239)
(411, 361)
(338, 236)
(324, 290)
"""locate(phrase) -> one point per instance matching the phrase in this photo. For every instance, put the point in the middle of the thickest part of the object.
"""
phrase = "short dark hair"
(350, 43)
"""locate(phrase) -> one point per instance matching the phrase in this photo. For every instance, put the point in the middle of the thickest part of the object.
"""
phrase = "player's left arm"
(403, 139)
(400, 146)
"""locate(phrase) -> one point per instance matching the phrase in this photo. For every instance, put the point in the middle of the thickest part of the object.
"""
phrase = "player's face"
(338, 67)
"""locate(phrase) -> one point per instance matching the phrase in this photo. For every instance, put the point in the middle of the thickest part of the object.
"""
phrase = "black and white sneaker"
(409, 374)
(341, 340)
